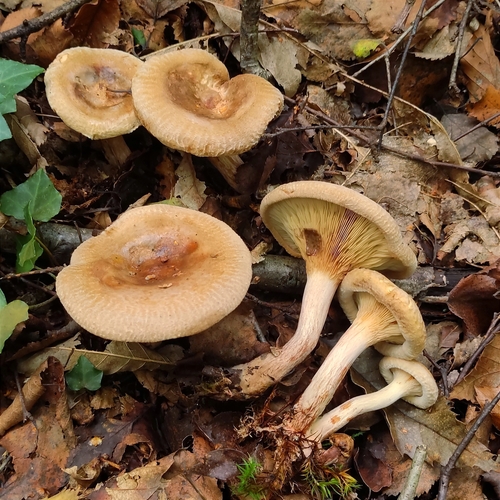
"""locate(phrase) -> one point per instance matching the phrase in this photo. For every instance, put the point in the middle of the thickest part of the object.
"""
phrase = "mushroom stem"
(373, 324)
(228, 166)
(264, 371)
(402, 385)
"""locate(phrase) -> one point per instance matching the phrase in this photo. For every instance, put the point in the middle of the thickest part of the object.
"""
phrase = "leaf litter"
(449, 216)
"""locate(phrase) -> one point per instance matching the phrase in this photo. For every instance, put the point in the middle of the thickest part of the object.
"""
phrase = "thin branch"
(493, 330)
(413, 479)
(475, 127)
(392, 91)
(34, 25)
(458, 52)
(446, 470)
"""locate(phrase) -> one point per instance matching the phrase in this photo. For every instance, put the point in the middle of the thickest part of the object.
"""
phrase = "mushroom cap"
(158, 272)
(90, 90)
(336, 229)
(411, 327)
(419, 372)
(186, 100)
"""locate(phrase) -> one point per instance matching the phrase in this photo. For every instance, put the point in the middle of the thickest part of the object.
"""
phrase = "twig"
(458, 51)
(47, 270)
(443, 370)
(446, 470)
(392, 91)
(493, 330)
(34, 25)
(417, 465)
(475, 127)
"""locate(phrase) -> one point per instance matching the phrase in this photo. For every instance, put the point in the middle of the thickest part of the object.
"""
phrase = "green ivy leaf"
(11, 315)
(39, 192)
(5, 132)
(16, 76)
(84, 375)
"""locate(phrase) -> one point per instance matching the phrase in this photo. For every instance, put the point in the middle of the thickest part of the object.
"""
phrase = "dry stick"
(394, 87)
(446, 470)
(452, 85)
(413, 479)
(47, 270)
(493, 330)
(34, 25)
(398, 41)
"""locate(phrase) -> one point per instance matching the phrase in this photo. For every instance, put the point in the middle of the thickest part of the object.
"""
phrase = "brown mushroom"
(157, 272)
(90, 91)
(187, 101)
(334, 229)
(382, 315)
(409, 380)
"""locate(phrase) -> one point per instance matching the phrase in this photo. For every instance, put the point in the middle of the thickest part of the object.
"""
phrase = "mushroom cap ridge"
(397, 301)
(187, 101)
(87, 88)
(419, 372)
(401, 262)
(157, 272)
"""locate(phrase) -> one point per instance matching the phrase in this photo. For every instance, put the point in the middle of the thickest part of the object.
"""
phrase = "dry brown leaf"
(487, 106)
(32, 392)
(93, 21)
(486, 373)
(188, 190)
(483, 396)
(169, 477)
(158, 8)
(118, 357)
(476, 146)
(480, 64)
(40, 448)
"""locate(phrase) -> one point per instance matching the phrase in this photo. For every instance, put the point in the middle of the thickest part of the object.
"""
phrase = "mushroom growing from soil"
(186, 99)
(158, 272)
(409, 380)
(382, 315)
(334, 229)
(90, 91)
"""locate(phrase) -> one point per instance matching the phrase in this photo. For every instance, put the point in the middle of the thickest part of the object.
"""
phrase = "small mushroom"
(382, 315)
(90, 91)
(409, 380)
(187, 101)
(334, 229)
(158, 272)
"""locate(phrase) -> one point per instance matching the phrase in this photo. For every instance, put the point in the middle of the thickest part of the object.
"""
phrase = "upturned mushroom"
(382, 315)
(409, 380)
(334, 229)
(186, 99)
(90, 91)
(158, 272)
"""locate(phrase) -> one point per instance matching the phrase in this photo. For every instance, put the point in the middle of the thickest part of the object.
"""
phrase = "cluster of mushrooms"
(163, 271)
(184, 98)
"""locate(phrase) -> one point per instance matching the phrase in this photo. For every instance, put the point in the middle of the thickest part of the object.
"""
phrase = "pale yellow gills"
(334, 229)
(158, 272)
(186, 99)
(409, 380)
(381, 314)
(90, 91)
